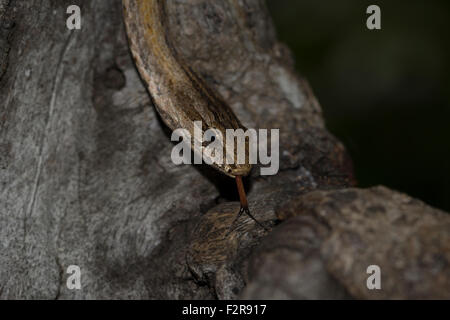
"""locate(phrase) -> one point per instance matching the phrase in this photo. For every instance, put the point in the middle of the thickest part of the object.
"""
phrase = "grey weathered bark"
(86, 176)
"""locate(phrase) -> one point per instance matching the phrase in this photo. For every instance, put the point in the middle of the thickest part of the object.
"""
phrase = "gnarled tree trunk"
(86, 177)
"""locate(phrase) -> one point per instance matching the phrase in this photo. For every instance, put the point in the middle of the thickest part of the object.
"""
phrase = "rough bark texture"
(345, 231)
(86, 176)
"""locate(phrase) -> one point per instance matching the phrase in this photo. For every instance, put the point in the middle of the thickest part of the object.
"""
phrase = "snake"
(180, 96)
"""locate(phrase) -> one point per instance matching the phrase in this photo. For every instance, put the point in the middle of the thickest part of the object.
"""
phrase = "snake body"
(180, 96)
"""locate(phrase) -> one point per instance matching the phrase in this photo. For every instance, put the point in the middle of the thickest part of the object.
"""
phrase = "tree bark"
(86, 177)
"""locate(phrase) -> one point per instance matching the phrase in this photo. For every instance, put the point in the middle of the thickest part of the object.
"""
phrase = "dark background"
(385, 93)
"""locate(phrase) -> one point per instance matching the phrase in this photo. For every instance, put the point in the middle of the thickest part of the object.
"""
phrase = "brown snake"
(180, 96)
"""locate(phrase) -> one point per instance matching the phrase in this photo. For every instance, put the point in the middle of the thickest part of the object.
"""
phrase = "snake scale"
(180, 96)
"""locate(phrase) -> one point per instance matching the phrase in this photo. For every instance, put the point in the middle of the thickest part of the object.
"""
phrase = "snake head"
(234, 170)
(235, 146)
